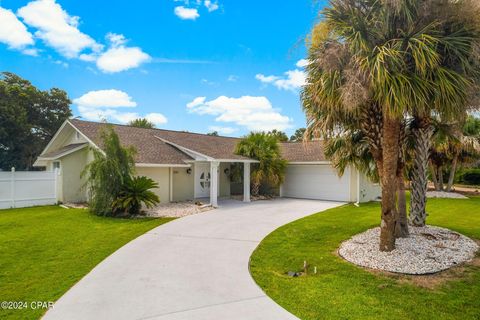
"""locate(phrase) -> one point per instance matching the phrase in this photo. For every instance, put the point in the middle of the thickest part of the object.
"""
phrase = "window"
(56, 165)
(77, 135)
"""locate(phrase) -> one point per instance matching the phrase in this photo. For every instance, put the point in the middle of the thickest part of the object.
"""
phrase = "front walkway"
(191, 268)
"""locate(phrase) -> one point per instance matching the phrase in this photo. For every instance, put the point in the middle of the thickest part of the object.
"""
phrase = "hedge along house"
(190, 166)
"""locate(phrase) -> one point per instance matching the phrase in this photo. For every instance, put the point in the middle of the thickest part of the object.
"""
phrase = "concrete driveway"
(191, 268)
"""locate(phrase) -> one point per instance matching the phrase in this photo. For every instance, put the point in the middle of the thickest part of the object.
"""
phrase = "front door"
(202, 180)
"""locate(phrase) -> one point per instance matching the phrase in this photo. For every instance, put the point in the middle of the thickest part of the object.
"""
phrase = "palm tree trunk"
(255, 188)
(401, 224)
(440, 178)
(391, 134)
(422, 134)
(434, 177)
(452, 171)
(372, 127)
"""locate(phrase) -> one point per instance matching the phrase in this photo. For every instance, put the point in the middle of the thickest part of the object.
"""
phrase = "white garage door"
(316, 182)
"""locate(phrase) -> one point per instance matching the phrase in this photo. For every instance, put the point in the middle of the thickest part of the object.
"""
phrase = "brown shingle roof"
(216, 147)
(149, 149)
(302, 152)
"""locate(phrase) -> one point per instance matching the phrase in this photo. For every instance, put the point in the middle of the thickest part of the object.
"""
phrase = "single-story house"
(190, 166)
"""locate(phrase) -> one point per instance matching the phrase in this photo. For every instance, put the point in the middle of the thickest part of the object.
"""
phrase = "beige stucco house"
(190, 166)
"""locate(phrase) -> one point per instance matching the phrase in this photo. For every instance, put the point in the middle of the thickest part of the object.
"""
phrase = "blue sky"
(230, 66)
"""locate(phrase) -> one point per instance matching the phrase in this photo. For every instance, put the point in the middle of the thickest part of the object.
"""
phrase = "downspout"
(170, 178)
(358, 189)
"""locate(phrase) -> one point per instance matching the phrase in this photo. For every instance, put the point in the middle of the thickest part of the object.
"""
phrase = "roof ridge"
(158, 129)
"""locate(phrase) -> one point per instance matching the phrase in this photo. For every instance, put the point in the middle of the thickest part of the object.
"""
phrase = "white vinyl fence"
(27, 188)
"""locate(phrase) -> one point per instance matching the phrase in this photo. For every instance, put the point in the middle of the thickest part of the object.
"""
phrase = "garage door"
(316, 182)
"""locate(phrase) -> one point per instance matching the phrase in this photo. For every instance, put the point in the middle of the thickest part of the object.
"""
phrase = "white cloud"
(291, 80)
(186, 13)
(62, 63)
(157, 118)
(196, 102)
(232, 78)
(208, 82)
(57, 28)
(211, 6)
(104, 104)
(121, 58)
(116, 39)
(302, 63)
(265, 79)
(294, 79)
(88, 57)
(254, 113)
(13, 32)
(30, 52)
(111, 98)
(222, 130)
(123, 117)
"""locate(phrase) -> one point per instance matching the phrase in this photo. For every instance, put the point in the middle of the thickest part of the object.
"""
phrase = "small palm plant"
(264, 148)
(135, 192)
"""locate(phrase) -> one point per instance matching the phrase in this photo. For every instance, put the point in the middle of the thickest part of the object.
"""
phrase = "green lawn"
(341, 290)
(46, 250)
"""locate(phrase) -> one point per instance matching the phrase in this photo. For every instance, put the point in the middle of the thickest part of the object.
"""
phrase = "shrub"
(470, 177)
(108, 172)
(134, 192)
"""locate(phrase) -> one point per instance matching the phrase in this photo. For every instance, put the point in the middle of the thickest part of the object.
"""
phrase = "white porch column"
(214, 183)
(246, 182)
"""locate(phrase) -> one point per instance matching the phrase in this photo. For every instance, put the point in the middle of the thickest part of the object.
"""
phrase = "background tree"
(454, 144)
(264, 148)
(108, 172)
(213, 133)
(29, 118)
(279, 135)
(298, 135)
(466, 148)
(142, 123)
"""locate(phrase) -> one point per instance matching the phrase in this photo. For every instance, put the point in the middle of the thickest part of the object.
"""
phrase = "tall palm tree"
(376, 58)
(264, 148)
(458, 29)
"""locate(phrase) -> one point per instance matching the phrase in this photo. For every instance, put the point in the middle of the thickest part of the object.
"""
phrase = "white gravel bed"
(177, 209)
(428, 250)
(443, 194)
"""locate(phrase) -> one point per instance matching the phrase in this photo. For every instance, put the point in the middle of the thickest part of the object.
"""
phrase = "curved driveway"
(191, 268)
